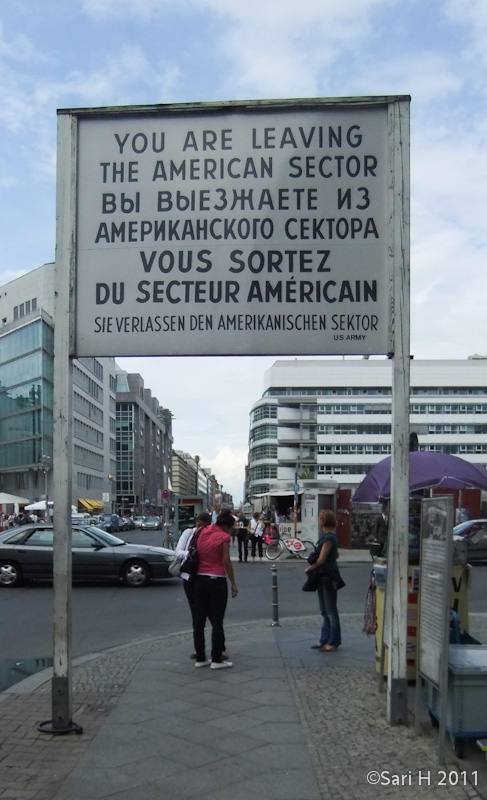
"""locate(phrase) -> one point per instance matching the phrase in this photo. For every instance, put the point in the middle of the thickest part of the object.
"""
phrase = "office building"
(26, 401)
(331, 418)
(144, 447)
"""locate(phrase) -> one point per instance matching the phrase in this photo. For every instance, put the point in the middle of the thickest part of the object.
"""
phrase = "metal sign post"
(399, 518)
(61, 721)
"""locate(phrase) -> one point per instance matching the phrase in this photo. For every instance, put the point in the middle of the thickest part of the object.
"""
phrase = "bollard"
(275, 602)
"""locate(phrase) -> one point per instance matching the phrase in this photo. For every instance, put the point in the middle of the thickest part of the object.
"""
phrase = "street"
(109, 615)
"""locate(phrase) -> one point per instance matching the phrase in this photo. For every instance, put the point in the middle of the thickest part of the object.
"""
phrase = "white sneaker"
(202, 663)
(221, 664)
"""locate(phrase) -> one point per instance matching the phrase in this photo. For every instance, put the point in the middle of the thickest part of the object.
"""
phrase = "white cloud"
(228, 466)
(276, 47)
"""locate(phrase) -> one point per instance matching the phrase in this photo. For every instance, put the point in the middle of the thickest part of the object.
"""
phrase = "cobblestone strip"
(33, 765)
(344, 718)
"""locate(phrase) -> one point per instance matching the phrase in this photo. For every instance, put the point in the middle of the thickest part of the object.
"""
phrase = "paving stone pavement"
(286, 722)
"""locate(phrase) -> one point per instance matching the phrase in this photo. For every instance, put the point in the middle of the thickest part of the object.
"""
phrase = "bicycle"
(297, 547)
(170, 541)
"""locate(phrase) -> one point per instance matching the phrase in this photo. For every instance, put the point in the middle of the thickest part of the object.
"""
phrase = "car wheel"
(136, 573)
(10, 574)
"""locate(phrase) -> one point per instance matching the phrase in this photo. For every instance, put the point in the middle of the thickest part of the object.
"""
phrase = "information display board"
(256, 228)
(435, 586)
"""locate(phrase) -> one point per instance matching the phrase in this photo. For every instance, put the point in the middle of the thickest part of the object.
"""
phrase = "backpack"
(191, 563)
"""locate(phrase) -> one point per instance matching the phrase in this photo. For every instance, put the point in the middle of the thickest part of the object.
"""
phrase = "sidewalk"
(286, 722)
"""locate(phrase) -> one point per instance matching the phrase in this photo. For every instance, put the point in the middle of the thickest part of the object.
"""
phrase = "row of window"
(264, 451)
(415, 408)
(456, 448)
(86, 433)
(472, 429)
(328, 391)
(337, 410)
(376, 430)
(343, 469)
(83, 406)
(25, 426)
(25, 308)
(338, 430)
(37, 335)
(28, 395)
(373, 391)
(354, 449)
(36, 364)
(26, 453)
(87, 458)
(263, 432)
(87, 482)
(263, 412)
(461, 408)
(262, 473)
(94, 366)
(88, 385)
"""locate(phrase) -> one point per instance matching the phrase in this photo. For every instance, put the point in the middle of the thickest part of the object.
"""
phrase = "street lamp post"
(197, 459)
(46, 466)
(110, 478)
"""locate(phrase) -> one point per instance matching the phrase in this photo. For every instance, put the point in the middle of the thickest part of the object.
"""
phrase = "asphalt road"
(108, 615)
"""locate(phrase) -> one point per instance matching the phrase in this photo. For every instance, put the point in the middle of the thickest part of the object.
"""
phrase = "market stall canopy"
(91, 505)
(40, 505)
(12, 498)
(427, 470)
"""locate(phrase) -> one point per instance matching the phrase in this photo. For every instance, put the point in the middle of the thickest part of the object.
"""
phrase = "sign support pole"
(61, 721)
(397, 704)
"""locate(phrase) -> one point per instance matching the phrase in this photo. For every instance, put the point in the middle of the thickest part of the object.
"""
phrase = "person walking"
(182, 546)
(328, 583)
(211, 590)
(256, 535)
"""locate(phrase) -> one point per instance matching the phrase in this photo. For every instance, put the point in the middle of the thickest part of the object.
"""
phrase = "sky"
(87, 53)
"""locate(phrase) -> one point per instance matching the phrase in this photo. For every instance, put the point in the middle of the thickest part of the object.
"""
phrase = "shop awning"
(91, 505)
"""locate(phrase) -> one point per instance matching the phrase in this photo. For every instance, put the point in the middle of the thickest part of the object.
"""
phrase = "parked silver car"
(474, 533)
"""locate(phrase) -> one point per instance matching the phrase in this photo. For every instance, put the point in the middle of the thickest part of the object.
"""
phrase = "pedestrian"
(189, 581)
(211, 590)
(382, 527)
(256, 535)
(243, 537)
(328, 583)
(214, 513)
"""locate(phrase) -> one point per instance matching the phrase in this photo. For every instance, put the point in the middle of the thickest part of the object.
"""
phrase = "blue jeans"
(330, 629)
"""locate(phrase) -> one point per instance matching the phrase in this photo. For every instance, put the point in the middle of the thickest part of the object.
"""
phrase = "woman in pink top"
(211, 591)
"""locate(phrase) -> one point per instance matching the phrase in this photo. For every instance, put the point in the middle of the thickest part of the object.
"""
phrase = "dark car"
(111, 523)
(152, 524)
(26, 553)
(474, 533)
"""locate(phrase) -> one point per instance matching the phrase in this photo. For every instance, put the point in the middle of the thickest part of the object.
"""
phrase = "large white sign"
(231, 229)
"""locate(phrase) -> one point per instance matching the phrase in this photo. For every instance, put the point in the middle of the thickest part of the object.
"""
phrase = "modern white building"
(331, 418)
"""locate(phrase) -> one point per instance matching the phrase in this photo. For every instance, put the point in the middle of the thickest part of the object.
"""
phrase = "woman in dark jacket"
(328, 581)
